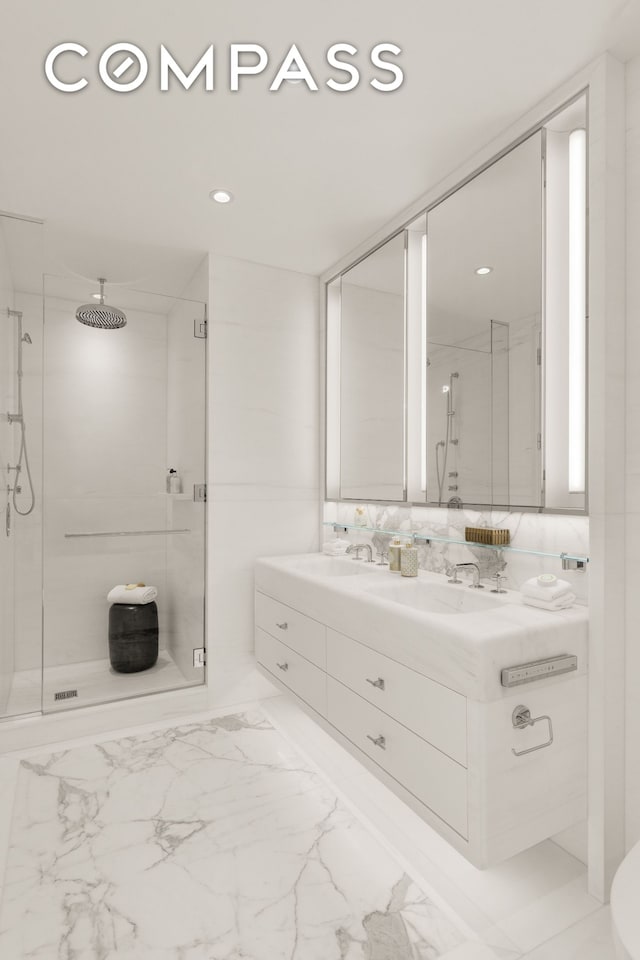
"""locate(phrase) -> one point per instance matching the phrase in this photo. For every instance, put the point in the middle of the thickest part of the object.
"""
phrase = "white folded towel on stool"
(562, 603)
(132, 593)
(546, 587)
(335, 548)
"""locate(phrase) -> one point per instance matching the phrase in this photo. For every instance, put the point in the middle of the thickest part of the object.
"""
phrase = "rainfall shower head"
(99, 315)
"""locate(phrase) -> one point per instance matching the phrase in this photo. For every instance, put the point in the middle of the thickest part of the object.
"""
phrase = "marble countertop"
(465, 651)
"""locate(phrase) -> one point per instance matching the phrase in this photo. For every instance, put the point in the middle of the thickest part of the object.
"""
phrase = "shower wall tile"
(105, 402)
(265, 433)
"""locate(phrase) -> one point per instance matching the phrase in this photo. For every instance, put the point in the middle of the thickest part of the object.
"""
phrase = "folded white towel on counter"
(561, 603)
(335, 548)
(132, 593)
(546, 587)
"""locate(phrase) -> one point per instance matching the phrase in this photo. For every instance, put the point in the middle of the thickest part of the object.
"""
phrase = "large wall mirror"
(456, 351)
(372, 380)
(484, 323)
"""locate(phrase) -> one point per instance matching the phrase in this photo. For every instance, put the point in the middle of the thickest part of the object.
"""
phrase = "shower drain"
(65, 694)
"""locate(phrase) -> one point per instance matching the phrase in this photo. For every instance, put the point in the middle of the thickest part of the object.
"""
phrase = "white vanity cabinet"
(456, 759)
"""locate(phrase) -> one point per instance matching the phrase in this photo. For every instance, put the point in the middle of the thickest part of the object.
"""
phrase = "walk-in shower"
(89, 426)
(449, 440)
(21, 468)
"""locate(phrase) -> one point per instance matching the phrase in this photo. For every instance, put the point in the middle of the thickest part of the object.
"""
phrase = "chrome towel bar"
(124, 533)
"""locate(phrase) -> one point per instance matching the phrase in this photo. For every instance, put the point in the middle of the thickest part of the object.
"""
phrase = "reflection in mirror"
(372, 375)
(484, 307)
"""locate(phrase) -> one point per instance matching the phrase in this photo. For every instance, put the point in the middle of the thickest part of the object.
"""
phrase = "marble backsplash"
(531, 533)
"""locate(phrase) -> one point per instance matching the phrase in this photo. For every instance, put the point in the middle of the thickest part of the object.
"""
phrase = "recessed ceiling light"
(221, 196)
(483, 271)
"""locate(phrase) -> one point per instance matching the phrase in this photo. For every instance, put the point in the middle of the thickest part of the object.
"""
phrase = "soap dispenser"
(409, 560)
(174, 483)
(394, 555)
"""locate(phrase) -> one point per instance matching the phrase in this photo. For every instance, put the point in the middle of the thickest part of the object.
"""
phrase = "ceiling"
(123, 180)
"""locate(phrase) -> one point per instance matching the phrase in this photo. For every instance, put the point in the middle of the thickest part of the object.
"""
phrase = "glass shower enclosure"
(108, 413)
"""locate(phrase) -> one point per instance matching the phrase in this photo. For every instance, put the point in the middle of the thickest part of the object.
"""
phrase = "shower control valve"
(453, 473)
(453, 487)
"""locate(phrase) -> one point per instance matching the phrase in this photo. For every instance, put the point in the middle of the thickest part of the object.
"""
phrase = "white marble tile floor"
(512, 908)
(205, 841)
(533, 907)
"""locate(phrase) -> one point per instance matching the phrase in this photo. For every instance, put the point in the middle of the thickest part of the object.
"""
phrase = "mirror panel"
(372, 376)
(484, 317)
(456, 351)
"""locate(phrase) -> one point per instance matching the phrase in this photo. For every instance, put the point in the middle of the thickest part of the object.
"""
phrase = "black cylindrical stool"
(133, 636)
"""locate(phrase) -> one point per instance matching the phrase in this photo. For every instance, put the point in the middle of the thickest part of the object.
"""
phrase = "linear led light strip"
(577, 309)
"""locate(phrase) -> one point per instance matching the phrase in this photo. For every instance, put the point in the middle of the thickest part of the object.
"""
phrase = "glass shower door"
(20, 466)
(122, 408)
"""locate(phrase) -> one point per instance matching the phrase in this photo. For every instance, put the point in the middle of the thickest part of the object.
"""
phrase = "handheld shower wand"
(448, 390)
(23, 455)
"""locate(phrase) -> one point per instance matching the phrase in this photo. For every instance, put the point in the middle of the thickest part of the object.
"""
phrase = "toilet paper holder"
(521, 718)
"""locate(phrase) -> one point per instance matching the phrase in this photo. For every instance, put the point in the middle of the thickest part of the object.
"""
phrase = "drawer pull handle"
(521, 718)
(379, 683)
(283, 626)
(378, 741)
(282, 666)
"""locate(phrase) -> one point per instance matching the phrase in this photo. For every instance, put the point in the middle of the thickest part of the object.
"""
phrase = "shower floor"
(95, 682)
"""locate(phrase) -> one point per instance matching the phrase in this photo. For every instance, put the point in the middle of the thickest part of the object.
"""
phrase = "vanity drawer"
(302, 677)
(431, 710)
(299, 632)
(436, 780)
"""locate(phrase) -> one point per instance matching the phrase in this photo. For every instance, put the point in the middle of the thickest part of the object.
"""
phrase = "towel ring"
(521, 718)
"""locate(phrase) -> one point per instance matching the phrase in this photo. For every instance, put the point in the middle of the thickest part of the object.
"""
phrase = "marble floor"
(533, 907)
(207, 841)
(95, 682)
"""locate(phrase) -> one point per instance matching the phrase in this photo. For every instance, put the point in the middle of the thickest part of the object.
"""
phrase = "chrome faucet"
(476, 585)
(357, 547)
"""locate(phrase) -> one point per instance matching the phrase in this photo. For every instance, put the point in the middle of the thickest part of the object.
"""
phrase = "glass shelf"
(428, 538)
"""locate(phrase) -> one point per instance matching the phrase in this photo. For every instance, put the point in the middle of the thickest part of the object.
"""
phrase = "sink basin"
(333, 566)
(435, 598)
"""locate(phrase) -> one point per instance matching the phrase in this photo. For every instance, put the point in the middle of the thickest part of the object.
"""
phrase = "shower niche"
(109, 407)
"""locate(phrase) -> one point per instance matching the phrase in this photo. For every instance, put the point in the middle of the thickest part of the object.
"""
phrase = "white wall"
(265, 443)
(632, 518)
(7, 386)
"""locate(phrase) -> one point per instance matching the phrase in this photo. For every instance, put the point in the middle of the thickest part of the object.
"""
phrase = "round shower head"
(99, 315)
